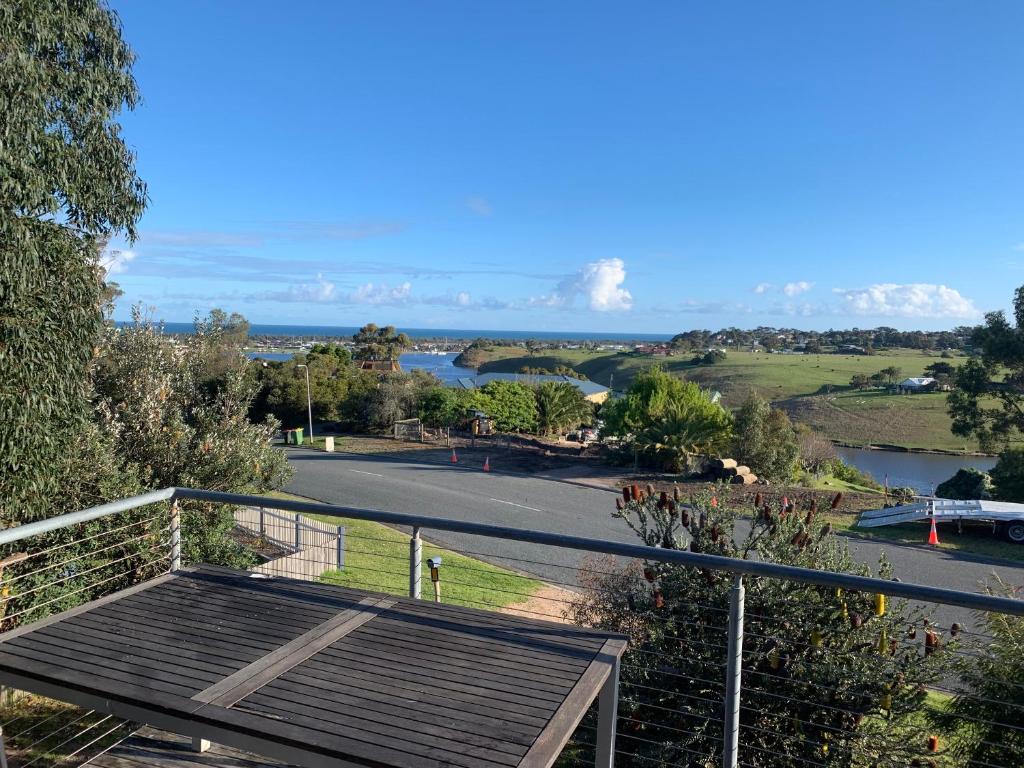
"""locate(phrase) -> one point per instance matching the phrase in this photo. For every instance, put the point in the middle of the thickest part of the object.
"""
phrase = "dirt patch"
(548, 603)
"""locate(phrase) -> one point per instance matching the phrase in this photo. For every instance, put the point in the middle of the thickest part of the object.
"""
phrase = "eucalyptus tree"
(68, 184)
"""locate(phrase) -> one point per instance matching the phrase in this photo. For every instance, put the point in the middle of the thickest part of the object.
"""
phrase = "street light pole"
(309, 401)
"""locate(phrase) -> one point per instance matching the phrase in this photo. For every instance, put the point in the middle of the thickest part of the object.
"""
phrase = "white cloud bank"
(763, 287)
(381, 294)
(599, 282)
(115, 261)
(795, 289)
(917, 300)
(320, 292)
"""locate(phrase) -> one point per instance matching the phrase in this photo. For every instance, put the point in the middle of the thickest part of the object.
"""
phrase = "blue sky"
(578, 166)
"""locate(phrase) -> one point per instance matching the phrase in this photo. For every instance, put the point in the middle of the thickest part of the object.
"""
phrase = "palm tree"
(560, 405)
(685, 430)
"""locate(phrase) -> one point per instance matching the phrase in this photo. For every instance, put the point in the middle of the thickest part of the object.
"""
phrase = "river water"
(442, 366)
(921, 471)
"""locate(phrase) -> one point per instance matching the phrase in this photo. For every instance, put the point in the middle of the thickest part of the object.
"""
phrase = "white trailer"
(1004, 516)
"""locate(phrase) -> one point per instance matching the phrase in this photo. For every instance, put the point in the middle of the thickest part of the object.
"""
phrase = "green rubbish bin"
(298, 435)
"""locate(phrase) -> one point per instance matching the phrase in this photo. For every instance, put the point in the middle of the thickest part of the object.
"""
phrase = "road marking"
(365, 473)
(521, 506)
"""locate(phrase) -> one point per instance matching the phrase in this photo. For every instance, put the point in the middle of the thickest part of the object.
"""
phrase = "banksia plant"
(816, 660)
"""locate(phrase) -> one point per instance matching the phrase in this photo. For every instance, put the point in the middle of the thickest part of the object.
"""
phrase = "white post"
(733, 675)
(607, 713)
(175, 540)
(298, 531)
(415, 564)
(200, 745)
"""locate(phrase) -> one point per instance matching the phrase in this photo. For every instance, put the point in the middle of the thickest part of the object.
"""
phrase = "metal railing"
(673, 705)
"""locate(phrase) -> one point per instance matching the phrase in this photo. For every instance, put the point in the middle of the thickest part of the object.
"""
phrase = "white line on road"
(521, 506)
(365, 473)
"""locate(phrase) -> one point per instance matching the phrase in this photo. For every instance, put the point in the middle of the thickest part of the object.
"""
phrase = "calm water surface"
(922, 471)
(442, 366)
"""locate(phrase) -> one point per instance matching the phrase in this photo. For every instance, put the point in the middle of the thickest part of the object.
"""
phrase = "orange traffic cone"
(487, 464)
(933, 535)
(455, 459)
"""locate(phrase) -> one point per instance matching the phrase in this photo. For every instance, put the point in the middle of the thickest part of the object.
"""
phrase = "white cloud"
(920, 300)
(382, 293)
(463, 299)
(320, 292)
(479, 206)
(763, 287)
(795, 289)
(115, 261)
(599, 282)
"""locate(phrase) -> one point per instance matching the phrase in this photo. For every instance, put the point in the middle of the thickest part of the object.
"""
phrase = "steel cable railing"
(792, 706)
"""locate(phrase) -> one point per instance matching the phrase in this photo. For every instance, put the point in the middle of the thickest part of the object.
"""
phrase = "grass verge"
(377, 559)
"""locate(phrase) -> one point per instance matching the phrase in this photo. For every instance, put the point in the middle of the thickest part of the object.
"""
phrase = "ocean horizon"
(458, 334)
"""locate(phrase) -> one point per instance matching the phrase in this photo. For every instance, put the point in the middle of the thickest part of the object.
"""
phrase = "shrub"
(967, 483)
(764, 439)
(1008, 475)
(985, 716)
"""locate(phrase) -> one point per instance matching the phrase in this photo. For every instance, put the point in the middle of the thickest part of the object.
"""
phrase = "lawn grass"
(377, 559)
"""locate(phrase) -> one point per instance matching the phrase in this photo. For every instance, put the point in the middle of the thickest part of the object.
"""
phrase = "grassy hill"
(812, 388)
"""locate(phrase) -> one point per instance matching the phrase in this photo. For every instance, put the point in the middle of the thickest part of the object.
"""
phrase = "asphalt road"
(408, 485)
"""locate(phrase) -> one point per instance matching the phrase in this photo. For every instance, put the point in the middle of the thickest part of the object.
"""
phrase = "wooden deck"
(320, 675)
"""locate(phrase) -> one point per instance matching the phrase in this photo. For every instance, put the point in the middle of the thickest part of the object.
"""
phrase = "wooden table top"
(319, 675)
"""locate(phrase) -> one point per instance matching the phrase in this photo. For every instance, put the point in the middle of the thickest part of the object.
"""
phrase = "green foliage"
(337, 388)
(1008, 475)
(667, 419)
(440, 407)
(561, 406)
(987, 401)
(826, 679)
(967, 483)
(689, 427)
(764, 439)
(68, 180)
(848, 473)
(987, 717)
(374, 343)
(510, 405)
(65, 74)
(648, 398)
(167, 421)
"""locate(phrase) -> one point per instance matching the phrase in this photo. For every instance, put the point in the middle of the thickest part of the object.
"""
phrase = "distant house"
(917, 384)
(595, 393)
(380, 366)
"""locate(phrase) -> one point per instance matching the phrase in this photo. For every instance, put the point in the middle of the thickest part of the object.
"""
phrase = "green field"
(812, 388)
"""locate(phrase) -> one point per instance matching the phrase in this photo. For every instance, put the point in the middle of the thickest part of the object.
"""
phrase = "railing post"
(607, 714)
(733, 673)
(175, 541)
(3, 749)
(415, 563)
(298, 531)
(263, 523)
(339, 547)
